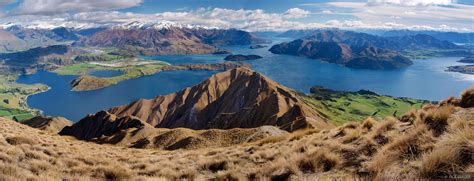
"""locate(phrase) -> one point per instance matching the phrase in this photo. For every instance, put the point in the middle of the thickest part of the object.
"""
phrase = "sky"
(251, 15)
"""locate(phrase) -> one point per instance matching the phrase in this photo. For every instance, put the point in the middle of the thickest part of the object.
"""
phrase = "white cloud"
(385, 17)
(413, 2)
(295, 13)
(62, 6)
(326, 12)
(456, 16)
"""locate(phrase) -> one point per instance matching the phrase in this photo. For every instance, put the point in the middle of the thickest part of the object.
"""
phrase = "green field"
(342, 107)
(13, 98)
(15, 114)
(433, 53)
(130, 69)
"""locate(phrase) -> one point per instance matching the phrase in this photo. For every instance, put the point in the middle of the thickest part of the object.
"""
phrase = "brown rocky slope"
(238, 98)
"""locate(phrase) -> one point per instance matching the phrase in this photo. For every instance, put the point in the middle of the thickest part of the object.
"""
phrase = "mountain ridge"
(237, 98)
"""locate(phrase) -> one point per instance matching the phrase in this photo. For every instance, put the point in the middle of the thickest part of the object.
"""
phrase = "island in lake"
(467, 60)
(242, 57)
(464, 69)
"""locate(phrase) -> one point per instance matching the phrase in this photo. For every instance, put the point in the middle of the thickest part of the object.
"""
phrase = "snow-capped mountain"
(159, 25)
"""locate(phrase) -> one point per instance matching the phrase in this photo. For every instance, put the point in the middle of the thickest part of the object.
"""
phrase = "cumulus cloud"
(456, 17)
(62, 6)
(295, 13)
(413, 2)
(384, 17)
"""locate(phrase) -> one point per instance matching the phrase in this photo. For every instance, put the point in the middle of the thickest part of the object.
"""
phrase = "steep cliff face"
(238, 98)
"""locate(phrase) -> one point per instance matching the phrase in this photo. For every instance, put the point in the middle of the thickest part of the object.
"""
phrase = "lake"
(60, 101)
(425, 79)
(105, 73)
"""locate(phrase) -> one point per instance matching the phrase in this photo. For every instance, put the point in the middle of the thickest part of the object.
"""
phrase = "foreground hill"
(433, 142)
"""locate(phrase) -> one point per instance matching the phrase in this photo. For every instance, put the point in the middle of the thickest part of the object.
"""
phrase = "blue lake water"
(426, 79)
(60, 101)
(105, 73)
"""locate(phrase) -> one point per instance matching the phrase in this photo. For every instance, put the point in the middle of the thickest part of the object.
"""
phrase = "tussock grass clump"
(450, 101)
(17, 140)
(410, 117)
(272, 139)
(115, 172)
(215, 165)
(453, 153)
(437, 119)
(467, 98)
(404, 148)
(368, 124)
(386, 125)
(296, 135)
(322, 160)
(379, 133)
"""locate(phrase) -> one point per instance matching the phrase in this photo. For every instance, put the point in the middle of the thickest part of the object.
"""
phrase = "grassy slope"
(13, 98)
(342, 107)
(389, 150)
(132, 71)
(434, 53)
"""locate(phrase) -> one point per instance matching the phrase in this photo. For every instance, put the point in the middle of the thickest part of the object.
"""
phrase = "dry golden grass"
(437, 119)
(435, 141)
(453, 153)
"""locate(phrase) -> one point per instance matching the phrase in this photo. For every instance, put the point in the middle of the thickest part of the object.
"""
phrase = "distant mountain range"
(159, 39)
(359, 50)
(352, 49)
(17, 38)
(455, 37)
(136, 37)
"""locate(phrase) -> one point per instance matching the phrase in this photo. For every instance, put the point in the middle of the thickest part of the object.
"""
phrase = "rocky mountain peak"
(238, 98)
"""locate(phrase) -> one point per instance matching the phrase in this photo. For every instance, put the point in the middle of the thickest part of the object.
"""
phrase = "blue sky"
(252, 15)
